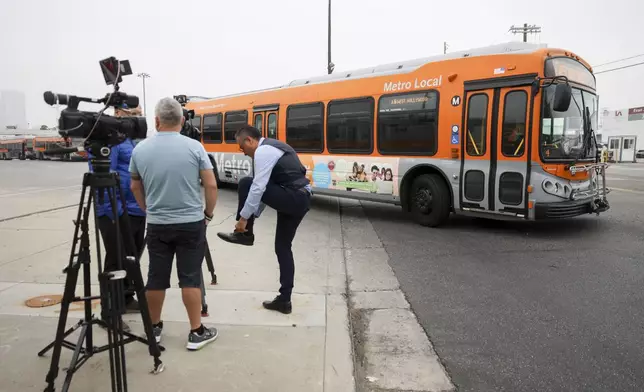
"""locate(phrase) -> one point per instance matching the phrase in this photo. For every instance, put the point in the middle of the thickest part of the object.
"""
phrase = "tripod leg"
(72, 366)
(204, 305)
(69, 293)
(66, 334)
(210, 264)
(134, 271)
(68, 297)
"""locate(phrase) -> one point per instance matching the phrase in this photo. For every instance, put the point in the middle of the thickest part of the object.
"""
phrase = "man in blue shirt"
(120, 155)
(280, 182)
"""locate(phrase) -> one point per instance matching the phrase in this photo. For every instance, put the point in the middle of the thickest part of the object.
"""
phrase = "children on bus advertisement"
(375, 175)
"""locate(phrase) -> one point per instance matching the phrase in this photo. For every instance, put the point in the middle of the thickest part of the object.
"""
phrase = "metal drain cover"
(44, 301)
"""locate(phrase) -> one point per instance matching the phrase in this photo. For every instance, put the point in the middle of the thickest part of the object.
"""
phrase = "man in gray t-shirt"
(167, 172)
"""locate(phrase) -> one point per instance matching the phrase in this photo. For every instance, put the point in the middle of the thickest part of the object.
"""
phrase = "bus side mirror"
(563, 95)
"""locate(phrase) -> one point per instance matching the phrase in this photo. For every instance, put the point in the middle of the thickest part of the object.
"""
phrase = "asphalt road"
(27, 187)
(530, 307)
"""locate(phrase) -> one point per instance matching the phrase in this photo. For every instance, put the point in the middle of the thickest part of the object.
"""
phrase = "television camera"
(188, 129)
(97, 127)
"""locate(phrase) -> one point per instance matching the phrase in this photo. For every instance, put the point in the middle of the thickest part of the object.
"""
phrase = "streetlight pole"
(143, 76)
(330, 65)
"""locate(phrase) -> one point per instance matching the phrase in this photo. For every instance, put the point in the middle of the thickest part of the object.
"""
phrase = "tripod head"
(101, 157)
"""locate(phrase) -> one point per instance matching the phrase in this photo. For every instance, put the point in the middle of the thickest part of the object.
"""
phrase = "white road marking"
(39, 191)
(626, 190)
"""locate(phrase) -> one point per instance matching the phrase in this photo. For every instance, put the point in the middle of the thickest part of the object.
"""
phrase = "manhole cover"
(43, 301)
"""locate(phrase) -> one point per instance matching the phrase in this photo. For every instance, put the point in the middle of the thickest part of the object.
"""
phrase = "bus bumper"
(564, 209)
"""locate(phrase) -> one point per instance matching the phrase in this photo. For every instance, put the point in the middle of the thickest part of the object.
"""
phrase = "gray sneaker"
(156, 330)
(196, 341)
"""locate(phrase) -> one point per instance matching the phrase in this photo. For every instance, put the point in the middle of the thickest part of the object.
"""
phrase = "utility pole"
(330, 65)
(445, 46)
(525, 30)
(143, 76)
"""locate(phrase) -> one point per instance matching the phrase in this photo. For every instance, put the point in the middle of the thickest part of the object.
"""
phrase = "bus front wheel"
(429, 200)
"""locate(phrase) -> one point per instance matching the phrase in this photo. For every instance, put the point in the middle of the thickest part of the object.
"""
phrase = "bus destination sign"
(406, 102)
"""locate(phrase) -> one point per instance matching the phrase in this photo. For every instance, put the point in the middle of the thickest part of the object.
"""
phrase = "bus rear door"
(495, 162)
(265, 119)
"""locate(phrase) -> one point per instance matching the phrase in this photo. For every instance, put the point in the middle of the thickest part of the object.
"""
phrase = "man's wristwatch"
(208, 217)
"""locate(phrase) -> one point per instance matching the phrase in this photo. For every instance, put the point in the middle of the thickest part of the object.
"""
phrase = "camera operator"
(166, 170)
(188, 129)
(120, 154)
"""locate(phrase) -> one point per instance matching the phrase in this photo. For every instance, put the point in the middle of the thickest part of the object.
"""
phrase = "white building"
(623, 132)
(13, 110)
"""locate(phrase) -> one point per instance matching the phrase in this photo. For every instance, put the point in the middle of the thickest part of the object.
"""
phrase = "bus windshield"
(562, 133)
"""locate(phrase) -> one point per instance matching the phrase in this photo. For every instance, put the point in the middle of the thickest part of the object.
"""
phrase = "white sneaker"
(196, 341)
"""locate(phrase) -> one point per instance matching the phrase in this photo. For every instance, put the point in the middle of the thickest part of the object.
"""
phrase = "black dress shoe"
(279, 305)
(238, 238)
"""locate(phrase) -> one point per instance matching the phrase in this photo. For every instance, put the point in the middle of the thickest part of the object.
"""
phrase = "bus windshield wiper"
(588, 132)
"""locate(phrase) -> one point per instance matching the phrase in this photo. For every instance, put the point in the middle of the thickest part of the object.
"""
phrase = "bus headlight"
(556, 188)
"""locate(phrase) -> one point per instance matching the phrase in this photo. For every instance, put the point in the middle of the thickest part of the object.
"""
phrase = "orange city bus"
(503, 132)
(12, 148)
(42, 144)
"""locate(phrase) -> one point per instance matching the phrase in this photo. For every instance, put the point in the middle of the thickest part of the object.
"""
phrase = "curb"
(392, 351)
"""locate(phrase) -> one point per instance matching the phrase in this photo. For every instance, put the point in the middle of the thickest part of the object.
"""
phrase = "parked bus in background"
(78, 155)
(502, 132)
(12, 148)
(42, 144)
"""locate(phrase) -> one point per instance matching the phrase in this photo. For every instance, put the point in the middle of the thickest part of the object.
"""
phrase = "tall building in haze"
(13, 110)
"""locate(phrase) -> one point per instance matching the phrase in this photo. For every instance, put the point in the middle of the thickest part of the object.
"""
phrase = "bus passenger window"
(271, 130)
(212, 128)
(304, 127)
(407, 124)
(476, 125)
(349, 126)
(234, 121)
(514, 124)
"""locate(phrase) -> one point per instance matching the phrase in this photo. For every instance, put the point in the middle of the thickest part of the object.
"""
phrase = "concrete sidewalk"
(257, 350)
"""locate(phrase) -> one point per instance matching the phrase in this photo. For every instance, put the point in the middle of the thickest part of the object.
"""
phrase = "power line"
(620, 60)
(525, 30)
(616, 69)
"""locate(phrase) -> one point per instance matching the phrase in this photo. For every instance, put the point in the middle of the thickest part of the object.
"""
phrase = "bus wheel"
(429, 200)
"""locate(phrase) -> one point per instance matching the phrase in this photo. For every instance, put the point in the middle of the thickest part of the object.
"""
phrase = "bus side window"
(234, 121)
(212, 128)
(349, 126)
(304, 127)
(476, 125)
(514, 123)
(408, 124)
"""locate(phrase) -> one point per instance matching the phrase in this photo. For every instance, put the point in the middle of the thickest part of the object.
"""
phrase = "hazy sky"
(214, 47)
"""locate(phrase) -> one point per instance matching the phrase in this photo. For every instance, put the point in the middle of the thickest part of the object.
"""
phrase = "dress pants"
(291, 206)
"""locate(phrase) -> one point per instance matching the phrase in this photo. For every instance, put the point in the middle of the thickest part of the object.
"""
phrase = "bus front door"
(494, 151)
(511, 164)
(476, 154)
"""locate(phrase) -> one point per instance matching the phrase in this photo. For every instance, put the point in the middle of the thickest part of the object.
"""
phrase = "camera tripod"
(112, 289)
(213, 276)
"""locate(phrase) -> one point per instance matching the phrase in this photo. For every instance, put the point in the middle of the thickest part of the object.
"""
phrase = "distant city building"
(13, 111)
(623, 132)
